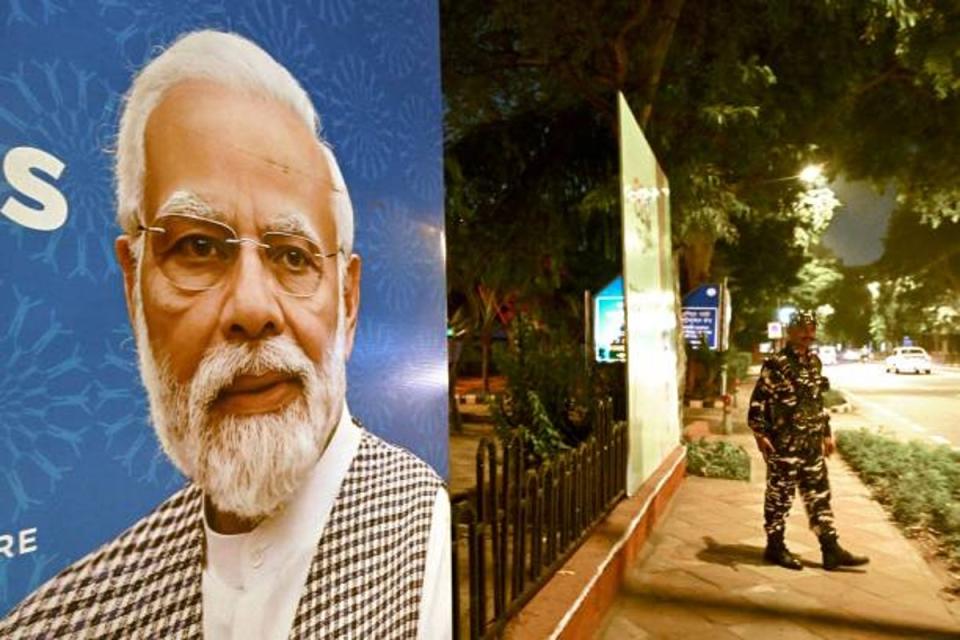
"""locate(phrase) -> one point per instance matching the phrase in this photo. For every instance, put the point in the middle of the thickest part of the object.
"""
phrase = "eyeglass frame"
(237, 240)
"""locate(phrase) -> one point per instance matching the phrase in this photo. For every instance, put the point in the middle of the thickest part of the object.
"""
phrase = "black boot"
(778, 554)
(835, 556)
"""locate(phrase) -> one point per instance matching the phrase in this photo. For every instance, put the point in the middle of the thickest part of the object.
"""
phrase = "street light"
(811, 173)
(784, 313)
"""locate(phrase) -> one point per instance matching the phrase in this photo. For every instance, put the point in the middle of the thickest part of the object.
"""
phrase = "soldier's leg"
(815, 490)
(781, 485)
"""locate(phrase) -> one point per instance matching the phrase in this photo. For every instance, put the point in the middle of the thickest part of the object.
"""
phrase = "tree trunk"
(455, 351)
(667, 16)
(697, 257)
(485, 342)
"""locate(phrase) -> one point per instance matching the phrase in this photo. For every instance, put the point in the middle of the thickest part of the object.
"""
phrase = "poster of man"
(237, 268)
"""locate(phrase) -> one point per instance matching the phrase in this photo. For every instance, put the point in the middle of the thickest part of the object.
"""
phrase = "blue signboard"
(700, 315)
(609, 335)
(79, 461)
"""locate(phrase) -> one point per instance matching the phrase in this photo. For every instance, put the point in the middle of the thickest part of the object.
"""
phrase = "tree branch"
(620, 41)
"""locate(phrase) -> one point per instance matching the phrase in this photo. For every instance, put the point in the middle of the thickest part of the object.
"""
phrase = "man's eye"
(196, 246)
(292, 258)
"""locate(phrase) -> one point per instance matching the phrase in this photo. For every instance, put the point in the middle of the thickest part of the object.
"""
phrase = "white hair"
(229, 60)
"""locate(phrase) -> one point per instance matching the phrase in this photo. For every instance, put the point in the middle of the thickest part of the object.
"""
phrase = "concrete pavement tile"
(661, 619)
(844, 632)
(932, 605)
(886, 586)
(776, 575)
(897, 549)
(725, 577)
(671, 579)
(905, 569)
(718, 632)
(869, 607)
(736, 611)
(821, 586)
(773, 630)
(620, 627)
(778, 597)
(882, 528)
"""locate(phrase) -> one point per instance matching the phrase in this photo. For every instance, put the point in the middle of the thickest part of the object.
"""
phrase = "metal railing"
(519, 525)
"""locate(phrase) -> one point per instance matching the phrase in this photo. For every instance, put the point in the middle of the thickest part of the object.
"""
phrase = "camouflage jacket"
(789, 394)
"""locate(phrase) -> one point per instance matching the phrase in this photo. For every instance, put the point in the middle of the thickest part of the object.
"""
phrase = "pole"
(587, 321)
(723, 341)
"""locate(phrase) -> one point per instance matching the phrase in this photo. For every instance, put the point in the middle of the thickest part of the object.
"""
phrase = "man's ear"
(123, 247)
(351, 300)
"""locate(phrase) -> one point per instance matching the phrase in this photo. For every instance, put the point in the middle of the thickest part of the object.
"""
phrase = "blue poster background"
(78, 460)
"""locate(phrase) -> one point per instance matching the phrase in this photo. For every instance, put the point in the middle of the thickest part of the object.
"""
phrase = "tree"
(918, 279)
(734, 100)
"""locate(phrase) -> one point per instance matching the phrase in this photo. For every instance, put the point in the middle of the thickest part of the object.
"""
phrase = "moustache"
(223, 365)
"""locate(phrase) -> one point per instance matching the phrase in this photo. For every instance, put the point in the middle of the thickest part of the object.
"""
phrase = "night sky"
(858, 227)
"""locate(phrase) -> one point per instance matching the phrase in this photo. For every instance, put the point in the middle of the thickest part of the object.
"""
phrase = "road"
(916, 406)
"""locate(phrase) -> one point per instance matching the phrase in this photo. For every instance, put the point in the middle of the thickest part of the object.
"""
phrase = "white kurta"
(252, 582)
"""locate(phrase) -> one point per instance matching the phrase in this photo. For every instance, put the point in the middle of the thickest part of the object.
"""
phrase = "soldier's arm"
(760, 414)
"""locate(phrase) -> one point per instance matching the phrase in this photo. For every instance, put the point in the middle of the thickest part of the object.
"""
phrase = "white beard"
(247, 465)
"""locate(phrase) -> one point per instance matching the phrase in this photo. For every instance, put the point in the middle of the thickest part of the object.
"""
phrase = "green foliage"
(733, 103)
(817, 277)
(919, 483)
(718, 459)
(738, 363)
(833, 398)
(704, 366)
(918, 277)
(550, 391)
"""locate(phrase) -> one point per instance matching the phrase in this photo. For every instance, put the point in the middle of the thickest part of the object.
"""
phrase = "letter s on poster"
(18, 166)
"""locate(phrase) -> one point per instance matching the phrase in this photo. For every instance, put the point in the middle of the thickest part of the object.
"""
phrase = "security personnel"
(792, 430)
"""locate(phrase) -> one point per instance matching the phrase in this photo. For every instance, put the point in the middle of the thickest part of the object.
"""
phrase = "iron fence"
(519, 525)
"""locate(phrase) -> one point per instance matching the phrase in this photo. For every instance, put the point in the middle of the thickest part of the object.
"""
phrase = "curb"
(572, 603)
(703, 404)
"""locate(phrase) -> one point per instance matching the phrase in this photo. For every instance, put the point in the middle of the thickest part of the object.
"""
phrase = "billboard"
(650, 304)
(609, 324)
(79, 461)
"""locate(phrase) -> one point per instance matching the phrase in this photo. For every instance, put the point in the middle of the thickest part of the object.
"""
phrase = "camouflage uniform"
(787, 408)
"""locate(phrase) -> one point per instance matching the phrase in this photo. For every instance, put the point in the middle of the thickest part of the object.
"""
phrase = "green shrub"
(718, 459)
(832, 398)
(917, 482)
(549, 397)
(738, 364)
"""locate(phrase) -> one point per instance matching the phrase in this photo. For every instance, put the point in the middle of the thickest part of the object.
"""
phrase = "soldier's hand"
(765, 446)
(829, 446)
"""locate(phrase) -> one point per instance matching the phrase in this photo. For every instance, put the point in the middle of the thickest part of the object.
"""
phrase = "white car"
(828, 354)
(909, 359)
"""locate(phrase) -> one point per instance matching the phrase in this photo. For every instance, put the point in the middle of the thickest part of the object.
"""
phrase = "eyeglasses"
(196, 254)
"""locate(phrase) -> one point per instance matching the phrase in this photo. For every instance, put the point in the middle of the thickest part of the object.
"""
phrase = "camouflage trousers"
(798, 464)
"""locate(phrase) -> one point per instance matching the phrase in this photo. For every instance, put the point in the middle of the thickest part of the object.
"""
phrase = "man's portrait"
(243, 285)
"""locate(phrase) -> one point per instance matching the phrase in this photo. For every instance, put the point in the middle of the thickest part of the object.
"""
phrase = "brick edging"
(703, 404)
(476, 398)
(573, 603)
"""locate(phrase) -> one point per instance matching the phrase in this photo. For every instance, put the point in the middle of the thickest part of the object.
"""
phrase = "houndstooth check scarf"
(365, 580)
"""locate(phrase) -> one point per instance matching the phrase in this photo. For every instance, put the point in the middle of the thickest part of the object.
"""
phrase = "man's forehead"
(234, 120)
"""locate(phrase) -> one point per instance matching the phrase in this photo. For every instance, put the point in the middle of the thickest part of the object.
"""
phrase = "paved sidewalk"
(702, 574)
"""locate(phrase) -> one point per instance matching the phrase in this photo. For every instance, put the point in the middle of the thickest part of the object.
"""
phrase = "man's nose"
(252, 309)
